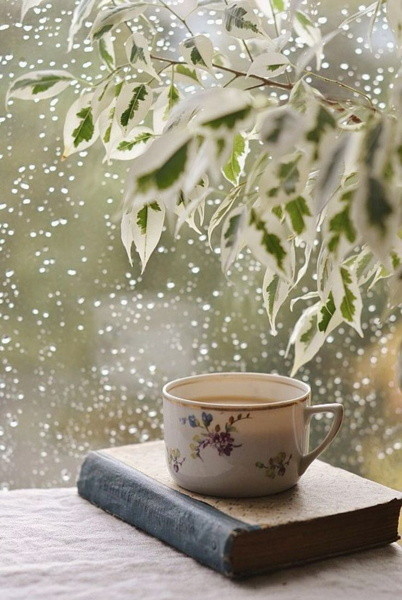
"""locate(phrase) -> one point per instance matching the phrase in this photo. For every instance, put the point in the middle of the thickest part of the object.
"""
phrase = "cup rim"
(290, 381)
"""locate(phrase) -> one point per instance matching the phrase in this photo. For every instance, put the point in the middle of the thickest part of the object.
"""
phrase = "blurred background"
(86, 342)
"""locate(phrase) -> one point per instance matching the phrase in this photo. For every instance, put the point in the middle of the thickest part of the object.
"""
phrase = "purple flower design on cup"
(217, 437)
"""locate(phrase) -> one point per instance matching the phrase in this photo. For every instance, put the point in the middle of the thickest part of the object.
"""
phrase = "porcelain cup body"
(240, 434)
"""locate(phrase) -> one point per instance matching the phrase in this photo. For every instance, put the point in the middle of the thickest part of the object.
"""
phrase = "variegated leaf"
(163, 107)
(107, 19)
(269, 65)
(376, 213)
(267, 237)
(339, 233)
(347, 297)
(159, 171)
(235, 165)
(241, 21)
(221, 212)
(133, 104)
(198, 51)
(135, 144)
(39, 85)
(307, 337)
(233, 236)
(282, 129)
(186, 75)
(106, 51)
(331, 171)
(80, 131)
(143, 228)
(81, 12)
(138, 54)
(275, 292)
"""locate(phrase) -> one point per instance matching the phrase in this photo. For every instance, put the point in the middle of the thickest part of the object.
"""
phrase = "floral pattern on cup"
(276, 465)
(174, 460)
(215, 436)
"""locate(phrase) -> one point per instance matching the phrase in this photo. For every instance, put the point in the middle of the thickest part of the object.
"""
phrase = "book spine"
(189, 525)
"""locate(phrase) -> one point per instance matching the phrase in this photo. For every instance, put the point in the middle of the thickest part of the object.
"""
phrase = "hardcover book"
(329, 512)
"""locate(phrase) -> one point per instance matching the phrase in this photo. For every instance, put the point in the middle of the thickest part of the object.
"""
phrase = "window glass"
(87, 342)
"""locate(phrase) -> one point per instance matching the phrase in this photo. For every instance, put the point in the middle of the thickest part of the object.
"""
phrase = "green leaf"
(324, 121)
(85, 129)
(196, 57)
(173, 97)
(327, 312)
(40, 85)
(275, 293)
(113, 16)
(270, 241)
(168, 173)
(142, 215)
(379, 209)
(297, 210)
(106, 53)
(348, 308)
(235, 164)
(279, 5)
(239, 18)
(341, 225)
(139, 95)
(186, 72)
(230, 120)
(139, 139)
(289, 175)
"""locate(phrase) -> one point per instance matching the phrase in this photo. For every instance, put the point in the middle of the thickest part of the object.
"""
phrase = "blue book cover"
(330, 512)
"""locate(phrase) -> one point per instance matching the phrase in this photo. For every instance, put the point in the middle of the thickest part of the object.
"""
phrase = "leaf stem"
(169, 8)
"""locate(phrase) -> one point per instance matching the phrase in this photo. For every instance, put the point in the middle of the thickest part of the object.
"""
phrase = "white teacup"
(240, 434)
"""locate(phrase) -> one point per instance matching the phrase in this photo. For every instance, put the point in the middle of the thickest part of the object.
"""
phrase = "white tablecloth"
(54, 545)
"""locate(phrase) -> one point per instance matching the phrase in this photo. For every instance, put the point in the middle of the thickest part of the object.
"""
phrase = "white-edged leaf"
(198, 51)
(241, 21)
(376, 214)
(186, 75)
(107, 19)
(305, 29)
(281, 130)
(223, 110)
(132, 106)
(300, 218)
(339, 233)
(159, 171)
(235, 165)
(39, 85)
(106, 50)
(268, 65)
(195, 200)
(331, 171)
(284, 181)
(275, 292)
(80, 131)
(232, 236)
(81, 12)
(103, 97)
(347, 297)
(135, 144)
(137, 52)
(143, 228)
(163, 107)
(267, 237)
(307, 337)
(223, 209)
(27, 5)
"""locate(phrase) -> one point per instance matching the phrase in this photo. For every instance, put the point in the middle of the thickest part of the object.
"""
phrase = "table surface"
(55, 545)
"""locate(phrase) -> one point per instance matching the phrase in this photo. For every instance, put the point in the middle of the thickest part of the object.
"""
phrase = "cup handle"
(309, 411)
